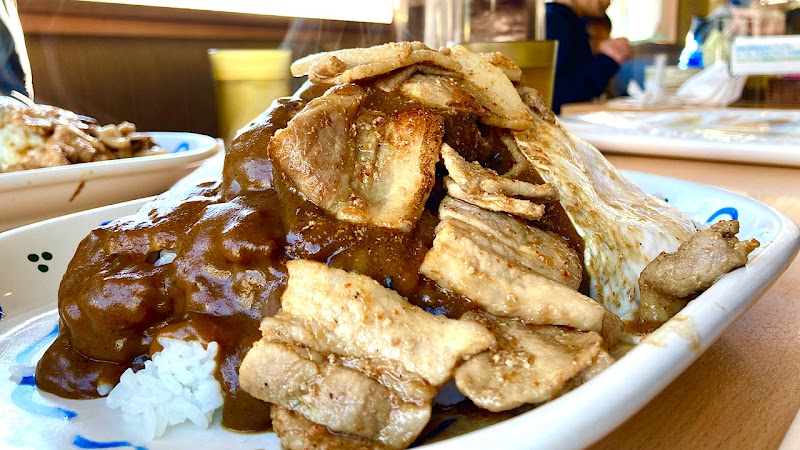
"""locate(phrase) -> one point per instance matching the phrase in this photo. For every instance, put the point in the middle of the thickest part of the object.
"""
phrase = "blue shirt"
(580, 75)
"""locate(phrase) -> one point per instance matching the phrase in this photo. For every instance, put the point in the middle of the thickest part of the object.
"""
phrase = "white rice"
(20, 371)
(176, 385)
(165, 257)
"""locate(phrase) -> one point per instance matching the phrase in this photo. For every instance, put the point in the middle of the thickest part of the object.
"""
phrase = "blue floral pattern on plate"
(22, 395)
(82, 442)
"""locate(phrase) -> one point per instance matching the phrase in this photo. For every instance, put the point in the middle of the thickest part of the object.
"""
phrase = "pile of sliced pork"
(348, 362)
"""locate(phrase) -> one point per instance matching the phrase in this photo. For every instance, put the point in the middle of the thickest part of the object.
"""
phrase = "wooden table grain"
(744, 391)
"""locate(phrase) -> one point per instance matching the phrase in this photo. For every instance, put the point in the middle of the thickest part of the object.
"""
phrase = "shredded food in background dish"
(410, 219)
(35, 136)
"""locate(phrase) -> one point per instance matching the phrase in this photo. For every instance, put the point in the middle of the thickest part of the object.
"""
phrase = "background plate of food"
(36, 257)
(54, 162)
(759, 136)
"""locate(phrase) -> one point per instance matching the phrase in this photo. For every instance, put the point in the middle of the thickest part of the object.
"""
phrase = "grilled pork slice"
(360, 318)
(485, 86)
(299, 433)
(504, 63)
(356, 357)
(445, 93)
(342, 399)
(362, 166)
(480, 89)
(671, 280)
(623, 228)
(529, 364)
(498, 261)
(474, 184)
(350, 65)
(538, 251)
(492, 89)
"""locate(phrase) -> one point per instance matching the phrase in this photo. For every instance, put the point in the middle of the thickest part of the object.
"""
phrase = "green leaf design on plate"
(34, 258)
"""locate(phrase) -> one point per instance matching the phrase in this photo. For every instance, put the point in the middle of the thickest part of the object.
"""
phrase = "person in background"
(14, 65)
(580, 74)
(598, 29)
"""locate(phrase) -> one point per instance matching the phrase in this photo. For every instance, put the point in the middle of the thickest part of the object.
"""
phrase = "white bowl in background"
(33, 195)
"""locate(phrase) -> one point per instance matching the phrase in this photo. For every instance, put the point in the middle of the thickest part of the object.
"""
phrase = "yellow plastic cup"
(537, 59)
(247, 81)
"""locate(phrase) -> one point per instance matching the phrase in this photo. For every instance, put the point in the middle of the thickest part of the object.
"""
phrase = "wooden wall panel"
(159, 84)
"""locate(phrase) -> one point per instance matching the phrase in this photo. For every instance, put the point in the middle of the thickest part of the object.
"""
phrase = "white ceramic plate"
(36, 256)
(792, 438)
(32, 195)
(758, 136)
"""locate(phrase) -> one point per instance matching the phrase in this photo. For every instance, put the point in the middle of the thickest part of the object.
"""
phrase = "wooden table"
(744, 391)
